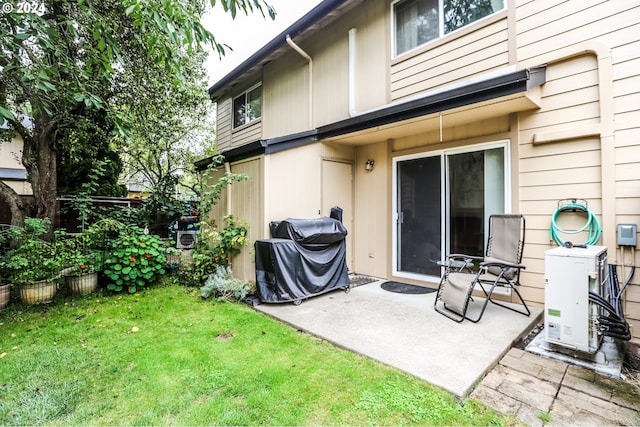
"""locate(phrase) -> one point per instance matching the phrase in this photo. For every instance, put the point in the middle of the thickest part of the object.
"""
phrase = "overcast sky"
(247, 34)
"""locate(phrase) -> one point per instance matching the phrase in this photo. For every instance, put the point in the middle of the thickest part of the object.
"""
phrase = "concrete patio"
(404, 331)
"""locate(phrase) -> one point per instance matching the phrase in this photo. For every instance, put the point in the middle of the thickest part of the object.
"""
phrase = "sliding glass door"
(419, 215)
(442, 205)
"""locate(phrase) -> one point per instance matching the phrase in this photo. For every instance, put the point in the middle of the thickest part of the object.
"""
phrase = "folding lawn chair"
(500, 267)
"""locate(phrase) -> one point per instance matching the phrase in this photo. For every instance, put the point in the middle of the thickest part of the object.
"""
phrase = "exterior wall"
(286, 91)
(294, 178)
(372, 239)
(583, 142)
(478, 49)
(224, 122)
(246, 203)
(370, 48)
(244, 200)
(10, 153)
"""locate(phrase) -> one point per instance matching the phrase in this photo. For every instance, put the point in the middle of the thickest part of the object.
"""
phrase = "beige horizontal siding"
(247, 134)
(486, 49)
(223, 124)
(585, 21)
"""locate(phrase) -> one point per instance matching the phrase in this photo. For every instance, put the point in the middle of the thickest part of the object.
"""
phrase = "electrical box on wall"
(627, 235)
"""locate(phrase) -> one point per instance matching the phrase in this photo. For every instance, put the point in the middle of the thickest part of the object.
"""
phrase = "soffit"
(446, 119)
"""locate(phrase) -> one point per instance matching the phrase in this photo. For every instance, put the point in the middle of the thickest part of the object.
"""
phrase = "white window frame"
(244, 94)
(394, 50)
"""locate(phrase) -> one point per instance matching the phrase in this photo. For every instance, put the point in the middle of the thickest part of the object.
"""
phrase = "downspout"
(310, 61)
(352, 73)
(227, 170)
(606, 130)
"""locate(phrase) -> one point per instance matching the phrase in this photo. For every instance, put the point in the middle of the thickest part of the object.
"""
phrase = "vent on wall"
(186, 239)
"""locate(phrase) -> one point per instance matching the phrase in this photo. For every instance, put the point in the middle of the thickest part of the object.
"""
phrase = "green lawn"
(164, 356)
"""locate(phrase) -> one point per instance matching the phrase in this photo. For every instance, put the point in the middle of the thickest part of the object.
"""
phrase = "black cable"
(614, 324)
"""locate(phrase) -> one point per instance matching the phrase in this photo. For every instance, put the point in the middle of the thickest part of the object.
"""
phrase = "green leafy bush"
(215, 247)
(222, 285)
(134, 259)
(31, 259)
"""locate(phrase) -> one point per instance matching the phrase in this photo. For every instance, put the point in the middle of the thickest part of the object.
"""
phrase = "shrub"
(215, 247)
(134, 260)
(222, 285)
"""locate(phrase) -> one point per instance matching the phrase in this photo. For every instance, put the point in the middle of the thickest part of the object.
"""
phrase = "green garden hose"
(595, 231)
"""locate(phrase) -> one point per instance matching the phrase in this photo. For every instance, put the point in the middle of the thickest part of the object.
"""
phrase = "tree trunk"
(39, 160)
(43, 171)
(17, 206)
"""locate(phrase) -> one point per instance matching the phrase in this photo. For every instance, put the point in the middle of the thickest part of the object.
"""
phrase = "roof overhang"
(11, 174)
(491, 97)
(509, 92)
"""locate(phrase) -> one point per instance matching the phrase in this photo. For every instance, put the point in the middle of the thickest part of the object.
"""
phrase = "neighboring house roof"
(10, 174)
(26, 122)
(265, 54)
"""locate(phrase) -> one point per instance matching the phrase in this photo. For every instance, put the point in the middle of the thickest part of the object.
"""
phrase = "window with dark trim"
(248, 106)
(417, 22)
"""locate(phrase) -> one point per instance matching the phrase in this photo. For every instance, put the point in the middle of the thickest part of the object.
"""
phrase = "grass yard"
(164, 356)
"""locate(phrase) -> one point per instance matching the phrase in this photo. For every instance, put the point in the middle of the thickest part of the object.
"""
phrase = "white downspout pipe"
(352, 73)
(306, 56)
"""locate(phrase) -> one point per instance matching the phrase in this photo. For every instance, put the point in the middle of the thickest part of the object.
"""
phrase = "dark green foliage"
(134, 259)
(458, 13)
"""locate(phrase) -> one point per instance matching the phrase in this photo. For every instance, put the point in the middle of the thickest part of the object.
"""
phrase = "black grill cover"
(305, 258)
(317, 231)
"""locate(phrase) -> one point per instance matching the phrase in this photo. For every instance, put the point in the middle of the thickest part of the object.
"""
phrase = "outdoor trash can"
(304, 258)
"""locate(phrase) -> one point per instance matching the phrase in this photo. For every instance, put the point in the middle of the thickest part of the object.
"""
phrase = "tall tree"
(63, 59)
(168, 124)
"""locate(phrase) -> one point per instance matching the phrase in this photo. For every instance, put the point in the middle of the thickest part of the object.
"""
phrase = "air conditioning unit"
(570, 319)
(186, 239)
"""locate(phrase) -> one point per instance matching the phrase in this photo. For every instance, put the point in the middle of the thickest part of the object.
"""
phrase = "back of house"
(421, 118)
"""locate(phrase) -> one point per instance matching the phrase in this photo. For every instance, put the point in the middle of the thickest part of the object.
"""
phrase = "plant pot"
(83, 284)
(5, 294)
(40, 292)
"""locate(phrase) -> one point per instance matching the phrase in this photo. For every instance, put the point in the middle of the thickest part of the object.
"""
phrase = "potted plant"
(82, 256)
(81, 272)
(33, 265)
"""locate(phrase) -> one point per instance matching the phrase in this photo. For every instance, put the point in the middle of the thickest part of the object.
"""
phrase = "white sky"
(247, 34)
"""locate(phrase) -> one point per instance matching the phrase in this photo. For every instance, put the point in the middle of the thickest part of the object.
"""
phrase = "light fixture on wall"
(368, 166)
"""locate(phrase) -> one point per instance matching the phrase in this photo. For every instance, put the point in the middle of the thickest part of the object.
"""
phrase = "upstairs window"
(417, 22)
(248, 106)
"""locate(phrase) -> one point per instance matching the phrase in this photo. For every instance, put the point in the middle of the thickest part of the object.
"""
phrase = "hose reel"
(592, 223)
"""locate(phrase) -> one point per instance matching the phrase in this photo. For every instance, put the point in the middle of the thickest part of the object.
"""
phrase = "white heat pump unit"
(570, 320)
(186, 239)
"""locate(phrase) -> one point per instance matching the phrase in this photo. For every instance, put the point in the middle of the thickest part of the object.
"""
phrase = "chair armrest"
(459, 262)
(502, 264)
(465, 256)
